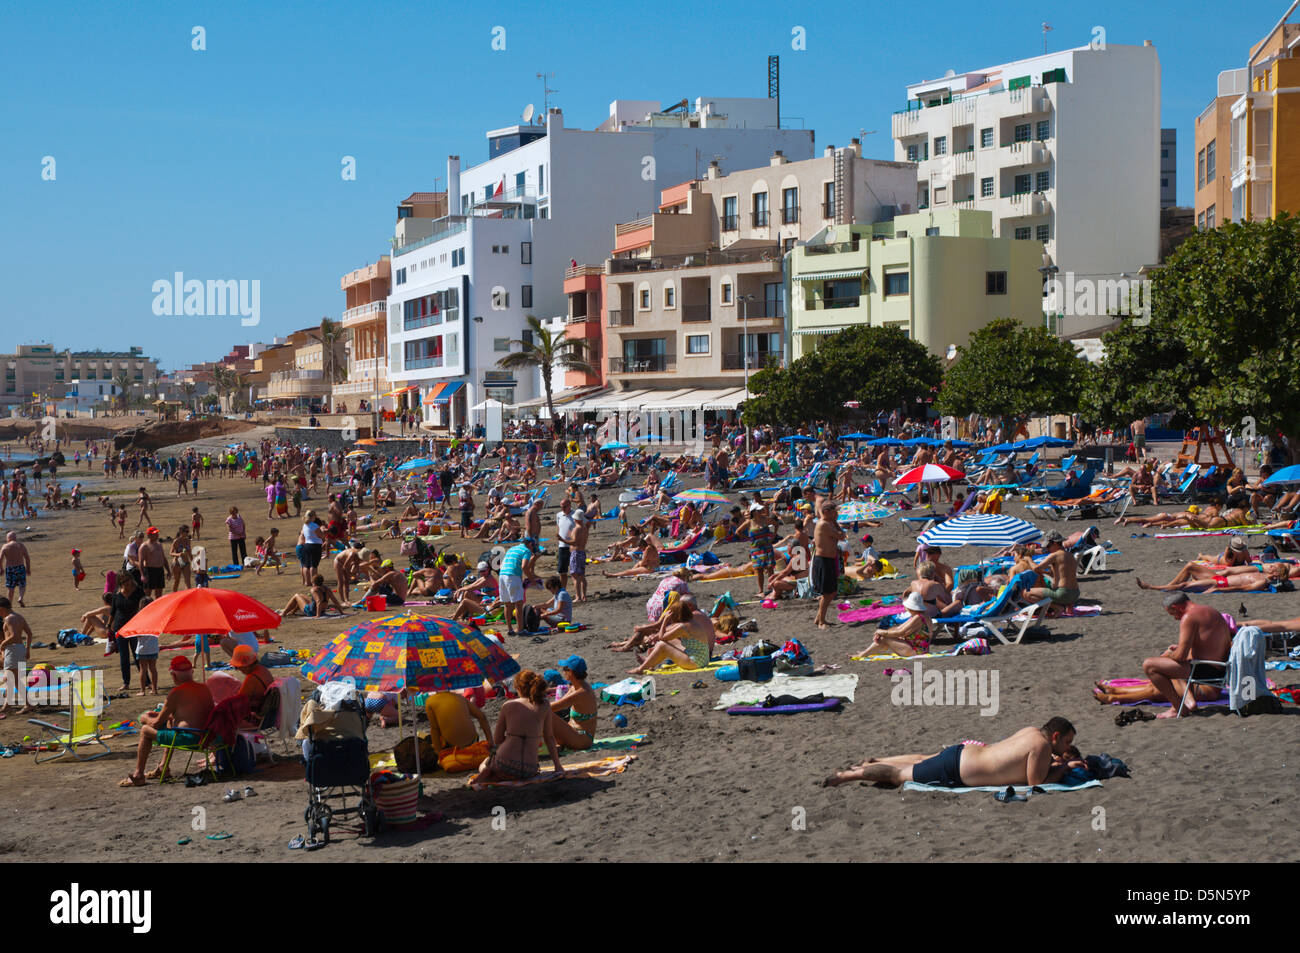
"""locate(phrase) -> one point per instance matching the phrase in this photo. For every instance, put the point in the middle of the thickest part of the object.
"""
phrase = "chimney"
(778, 158)
(556, 117)
(453, 185)
(715, 171)
(1146, 42)
(856, 145)
(828, 151)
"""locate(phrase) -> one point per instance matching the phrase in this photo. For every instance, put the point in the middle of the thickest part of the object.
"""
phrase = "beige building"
(365, 318)
(40, 369)
(303, 380)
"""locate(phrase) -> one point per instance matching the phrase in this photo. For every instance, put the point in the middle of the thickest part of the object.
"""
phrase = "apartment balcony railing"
(365, 312)
(789, 215)
(625, 227)
(832, 304)
(830, 248)
(418, 363)
(583, 271)
(758, 219)
(696, 312)
(768, 253)
(308, 374)
(439, 233)
(428, 320)
(651, 364)
(761, 310)
(621, 318)
(583, 319)
(757, 360)
(728, 223)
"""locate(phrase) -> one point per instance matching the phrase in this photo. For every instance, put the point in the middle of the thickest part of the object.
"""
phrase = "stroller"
(338, 770)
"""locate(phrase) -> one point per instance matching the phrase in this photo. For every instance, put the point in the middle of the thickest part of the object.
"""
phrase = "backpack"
(532, 619)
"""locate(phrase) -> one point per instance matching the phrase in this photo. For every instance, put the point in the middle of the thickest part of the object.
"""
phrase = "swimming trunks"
(943, 770)
(177, 737)
(155, 577)
(577, 562)
(825, 575)
(15, 577)
(1063, 597)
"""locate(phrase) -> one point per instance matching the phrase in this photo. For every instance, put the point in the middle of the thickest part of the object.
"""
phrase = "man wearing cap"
(153, 564)
(390, 584)
(511, 582)
(1059, 562)
(182, 719)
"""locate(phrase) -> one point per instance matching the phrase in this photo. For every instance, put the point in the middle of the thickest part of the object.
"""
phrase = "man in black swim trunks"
(153, 565)
(826, 561)
(1030, 756)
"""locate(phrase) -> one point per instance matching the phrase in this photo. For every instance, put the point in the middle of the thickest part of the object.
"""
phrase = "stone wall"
(331, 439)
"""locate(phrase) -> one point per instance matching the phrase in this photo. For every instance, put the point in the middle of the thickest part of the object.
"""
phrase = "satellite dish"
(528, 112)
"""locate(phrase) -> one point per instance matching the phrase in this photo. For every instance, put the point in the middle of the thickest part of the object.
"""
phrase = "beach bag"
(761, 648)
(532, 621)
(408, 547)
(404, 755)
(239, 760)
(396, 797)
(757, 668)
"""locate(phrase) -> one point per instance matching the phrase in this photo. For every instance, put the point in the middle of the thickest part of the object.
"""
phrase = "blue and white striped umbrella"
(980, 529)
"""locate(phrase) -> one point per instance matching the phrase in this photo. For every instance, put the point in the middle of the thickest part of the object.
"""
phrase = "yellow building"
(939, 275)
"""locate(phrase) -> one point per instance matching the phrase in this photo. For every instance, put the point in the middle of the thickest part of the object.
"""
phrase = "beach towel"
(602, 768)
(1246, 679)
(612, 743)
(869, 613)
(672, 668)
(995, 789)
(828, 704)
(799, 686)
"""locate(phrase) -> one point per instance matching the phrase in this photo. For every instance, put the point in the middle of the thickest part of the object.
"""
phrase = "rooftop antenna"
(546, 92)
(774, 84)
(1047, 28)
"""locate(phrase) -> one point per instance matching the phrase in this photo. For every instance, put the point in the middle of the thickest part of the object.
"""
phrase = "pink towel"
(870, 612)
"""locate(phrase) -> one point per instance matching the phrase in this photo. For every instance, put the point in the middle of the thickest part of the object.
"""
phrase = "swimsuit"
(943, 770)
(580, 717)
(15, 577)
(697, 651)
(1063, 597)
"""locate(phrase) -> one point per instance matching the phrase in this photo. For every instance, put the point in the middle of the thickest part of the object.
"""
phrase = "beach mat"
(995, 789)
(612, 743)
(800, 686)
(672, 668)
(602, 768)
(830, 704)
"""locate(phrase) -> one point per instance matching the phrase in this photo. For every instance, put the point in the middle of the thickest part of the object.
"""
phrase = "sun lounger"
(999, 612)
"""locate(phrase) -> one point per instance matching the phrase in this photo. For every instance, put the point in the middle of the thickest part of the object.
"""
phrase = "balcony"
(1024, 205)
(831, 248)
(621, 318)
(700, 259)
(420, 363)
(585, 271)
(789, 215)
(443, 228)
(1026, 153)
(583, 319)
(834, 304)
(758, 219)
(692, 313)
(650, 364)
(757, 360)
(365, 313)
(761, 310)
(728, 223)
(380, 269)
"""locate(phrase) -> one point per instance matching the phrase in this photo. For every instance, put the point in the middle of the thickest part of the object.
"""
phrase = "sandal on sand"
(298, 843)
(221, 836)
(249, 792)
(182, 842)
(131, 782)
(1010, 795)
(232, 795)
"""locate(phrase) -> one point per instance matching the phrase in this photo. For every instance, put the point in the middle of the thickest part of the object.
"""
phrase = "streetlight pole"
(744, 355)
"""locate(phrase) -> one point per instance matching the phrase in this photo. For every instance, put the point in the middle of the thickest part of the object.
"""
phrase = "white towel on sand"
(800, 686)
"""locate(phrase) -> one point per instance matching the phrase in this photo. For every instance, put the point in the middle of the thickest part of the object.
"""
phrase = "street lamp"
(744, 354)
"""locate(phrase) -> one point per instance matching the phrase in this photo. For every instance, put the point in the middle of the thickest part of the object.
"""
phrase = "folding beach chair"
(1204, 672)
(205, 741)
(83, 727)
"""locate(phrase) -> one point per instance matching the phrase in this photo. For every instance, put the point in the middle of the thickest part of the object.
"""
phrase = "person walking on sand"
(144, 502)
(16, 648)
(17, 564)
(577, 543)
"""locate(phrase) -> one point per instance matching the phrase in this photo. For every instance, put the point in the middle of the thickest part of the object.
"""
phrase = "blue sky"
(226, 163)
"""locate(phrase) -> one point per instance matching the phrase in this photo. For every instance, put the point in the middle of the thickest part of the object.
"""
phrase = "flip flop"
(222, 836)
(182, 842)
(1010, 795)
(231, 796)
(249, 792)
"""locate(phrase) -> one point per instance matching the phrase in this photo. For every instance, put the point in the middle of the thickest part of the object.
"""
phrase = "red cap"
(181, 664)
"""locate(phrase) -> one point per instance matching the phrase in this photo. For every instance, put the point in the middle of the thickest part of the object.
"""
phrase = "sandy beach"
(707, 786)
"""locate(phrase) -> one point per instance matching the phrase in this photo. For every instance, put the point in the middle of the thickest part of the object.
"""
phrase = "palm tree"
(329, 334)
(547, 351)
(223, 382)
(123, 383)
(188, 388)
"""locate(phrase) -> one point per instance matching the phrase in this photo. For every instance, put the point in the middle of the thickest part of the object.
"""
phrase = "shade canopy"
(981, 529)
(204, 611)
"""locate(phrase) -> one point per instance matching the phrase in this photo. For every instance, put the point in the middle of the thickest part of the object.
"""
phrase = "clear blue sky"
(225, 163)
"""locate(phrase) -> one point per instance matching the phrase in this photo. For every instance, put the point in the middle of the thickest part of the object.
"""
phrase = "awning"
(829, 330)
(401, 390)
(695, 398)
(613, 400)
(831, 275)
(726, 401)
(563, 399)
(441, 393)
(670, 399)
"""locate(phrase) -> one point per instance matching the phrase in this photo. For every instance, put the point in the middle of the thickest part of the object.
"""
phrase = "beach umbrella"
(929, 473)
(920, 442)
(1034, 443)
(614, 445)
(204, 611)
(792, 440)
(981, 529)
(884, 442)
(356, 453)
(856, 436)
(700, 495)
(422, 463)
(1289, 474)
(409, 651)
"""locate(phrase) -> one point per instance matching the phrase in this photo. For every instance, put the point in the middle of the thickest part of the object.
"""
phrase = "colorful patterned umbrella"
(399, 651)
(700, 495)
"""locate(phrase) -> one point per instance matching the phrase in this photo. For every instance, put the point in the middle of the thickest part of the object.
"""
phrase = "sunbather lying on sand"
(1030, 756)
(1273, 578)
(1107, 694)
(648, 563)
(1209, 518)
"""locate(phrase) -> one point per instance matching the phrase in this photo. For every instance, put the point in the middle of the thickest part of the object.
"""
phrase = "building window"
(986, 138)
(1042, 232)
(1200, 169)
(525, 253)
(487, 193)
(726, 292)
(1209, 161)
(541, 179)
(941, 145)
(400, 278)
(1024, 233)
(670, 296)
(1164, 153)
(788, 244)
(500, 344)
(464, 202)
(453, 348)
(828, 200)
(896, 283)
(544, 212)
(729, 214)
(986, 187)
(1164, 183)
(1043, 130)
(1209, 217)
(759, 204)
(505, 249)
(913, 153)
(995, 282)
(1022, 132)
(925, 197)
(526, 296)
(925, 150)
(1021, 184)
(931, 231)
(520, 184)
(645, 299)
(496, 249)
(1042, 181)
(697, 344)
(789, 206)
(1200, 221)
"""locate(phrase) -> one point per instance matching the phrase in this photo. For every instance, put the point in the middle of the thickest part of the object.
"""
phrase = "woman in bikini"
(689, 643)
(523, 725)
(649, 562)
(580, 701)
(180, 558)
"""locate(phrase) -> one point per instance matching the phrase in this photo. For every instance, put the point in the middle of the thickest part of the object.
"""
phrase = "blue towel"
(993, 789)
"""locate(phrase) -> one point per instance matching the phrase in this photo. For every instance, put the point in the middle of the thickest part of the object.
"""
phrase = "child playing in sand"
(78, 573)
(196, 522)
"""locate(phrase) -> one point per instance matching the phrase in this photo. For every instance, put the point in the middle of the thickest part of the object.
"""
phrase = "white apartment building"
(546, 195)
(1062, 148)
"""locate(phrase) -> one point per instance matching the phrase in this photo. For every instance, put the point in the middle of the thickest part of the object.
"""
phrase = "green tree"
(1009, 370)
(547, 351)
(122, 381)
(188, 388)
(880, 368)
(1224, 339)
